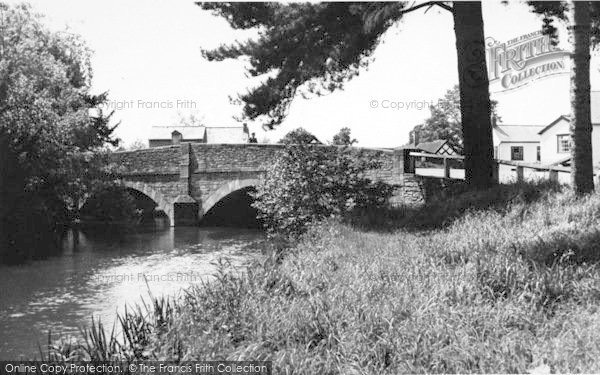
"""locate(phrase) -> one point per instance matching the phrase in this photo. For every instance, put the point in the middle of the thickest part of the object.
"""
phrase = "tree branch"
(429, 4)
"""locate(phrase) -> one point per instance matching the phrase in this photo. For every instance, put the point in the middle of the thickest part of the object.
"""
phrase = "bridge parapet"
(258, 157)
(158, 160)
(233, 157)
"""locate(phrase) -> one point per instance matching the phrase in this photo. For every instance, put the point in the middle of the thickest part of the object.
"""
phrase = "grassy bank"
(508, 285)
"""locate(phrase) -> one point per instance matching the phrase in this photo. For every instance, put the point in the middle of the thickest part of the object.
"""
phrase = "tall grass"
(128, 339)
(501, 281)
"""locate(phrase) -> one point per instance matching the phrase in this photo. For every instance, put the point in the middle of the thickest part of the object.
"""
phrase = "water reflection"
(100, 271)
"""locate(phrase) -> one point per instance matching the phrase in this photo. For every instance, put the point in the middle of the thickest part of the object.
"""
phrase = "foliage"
(137, 327)
(138, 144)
(311, 183)
(31, 228)
(192, 119)
(445, 121)
(343, 138)
(558, 10)
(45, 113)
(49, 121)
(312, 46)
(299, 136)
(110, 203)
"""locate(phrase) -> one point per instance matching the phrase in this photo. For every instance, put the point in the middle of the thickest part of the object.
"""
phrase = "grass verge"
(499, 281)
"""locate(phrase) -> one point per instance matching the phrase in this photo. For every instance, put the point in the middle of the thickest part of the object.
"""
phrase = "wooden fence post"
(409, 161)
(496, 172)
(553, 175)
(446, 168)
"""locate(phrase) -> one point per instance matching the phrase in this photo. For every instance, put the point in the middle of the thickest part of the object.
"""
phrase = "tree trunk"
(475, 105)
(582, 171)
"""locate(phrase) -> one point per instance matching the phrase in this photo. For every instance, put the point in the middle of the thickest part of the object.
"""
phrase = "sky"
(147, 55)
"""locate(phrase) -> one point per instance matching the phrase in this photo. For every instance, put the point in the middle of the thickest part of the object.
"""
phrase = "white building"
(555, 139)
(517, 142)
(550, 144)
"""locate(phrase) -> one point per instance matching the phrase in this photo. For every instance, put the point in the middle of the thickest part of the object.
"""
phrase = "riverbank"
(511, 285)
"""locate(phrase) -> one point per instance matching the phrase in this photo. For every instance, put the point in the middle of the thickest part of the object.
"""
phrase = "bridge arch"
(162, 203)
(225, 190)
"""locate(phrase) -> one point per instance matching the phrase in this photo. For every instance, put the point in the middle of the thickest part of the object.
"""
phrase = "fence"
(447, 172)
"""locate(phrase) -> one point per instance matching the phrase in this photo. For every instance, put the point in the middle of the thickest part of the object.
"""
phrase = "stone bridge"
(187, 180)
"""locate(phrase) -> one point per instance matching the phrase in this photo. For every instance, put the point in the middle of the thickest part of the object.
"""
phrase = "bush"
(111, 203)
(33, 228)
(310, 183)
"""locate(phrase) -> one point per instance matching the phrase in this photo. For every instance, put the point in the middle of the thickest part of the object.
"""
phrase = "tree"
(314, 48)
(299, 136)
(49, 126)
(138, 144)
(343, 138)
(582, 171)
(578, 15)
(191, 120)
(445, 121)
(475, 106)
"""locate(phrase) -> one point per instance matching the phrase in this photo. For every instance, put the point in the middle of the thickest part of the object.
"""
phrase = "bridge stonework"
(188, 179)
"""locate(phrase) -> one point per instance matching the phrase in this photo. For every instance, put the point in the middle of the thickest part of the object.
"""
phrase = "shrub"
(111, 203)
(310, 183)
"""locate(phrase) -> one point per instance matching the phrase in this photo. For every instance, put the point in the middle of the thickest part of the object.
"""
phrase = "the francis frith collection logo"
(521, 60)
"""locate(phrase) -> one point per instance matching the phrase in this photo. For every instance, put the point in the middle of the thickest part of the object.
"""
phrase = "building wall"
(169, 142)
(529, 150)
(159, 142)
(549, 143)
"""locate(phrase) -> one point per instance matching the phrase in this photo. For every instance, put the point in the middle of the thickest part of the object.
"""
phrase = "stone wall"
(232, 157)
(151, 161)
(257, 157)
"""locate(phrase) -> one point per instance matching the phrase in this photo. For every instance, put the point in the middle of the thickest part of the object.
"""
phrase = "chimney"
(176, 137)
(416, 136)
(246, 128)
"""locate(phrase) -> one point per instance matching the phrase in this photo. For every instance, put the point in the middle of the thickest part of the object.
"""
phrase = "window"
(564, 143)
(516, 153)
(539, 153)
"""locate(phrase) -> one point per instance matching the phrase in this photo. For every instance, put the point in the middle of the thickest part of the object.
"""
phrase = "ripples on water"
(99, 272)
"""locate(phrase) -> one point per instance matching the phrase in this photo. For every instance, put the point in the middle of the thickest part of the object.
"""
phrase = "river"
(98, 273)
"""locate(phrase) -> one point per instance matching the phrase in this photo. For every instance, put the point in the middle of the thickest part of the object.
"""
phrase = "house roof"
(408, 145)
(188, 132)
(215, 134)
(561, 117)
(594, 109)
(518, 133)
(431, 147)
(226, 135)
